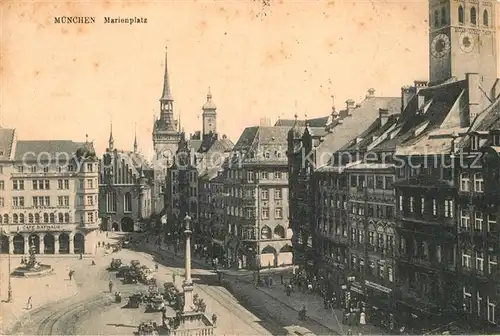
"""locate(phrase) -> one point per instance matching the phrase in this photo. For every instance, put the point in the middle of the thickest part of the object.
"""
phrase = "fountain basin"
(41, 270)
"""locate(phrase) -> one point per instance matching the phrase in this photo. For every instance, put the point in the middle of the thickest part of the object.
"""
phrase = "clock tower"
(209, 116)
(462, 39)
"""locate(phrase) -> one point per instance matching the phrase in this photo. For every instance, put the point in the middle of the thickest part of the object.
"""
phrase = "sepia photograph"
(249, 167)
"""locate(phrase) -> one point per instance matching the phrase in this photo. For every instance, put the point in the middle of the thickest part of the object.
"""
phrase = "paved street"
(88, 309)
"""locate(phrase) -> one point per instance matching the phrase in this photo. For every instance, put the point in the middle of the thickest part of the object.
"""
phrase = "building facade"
(203, 152)
(126, 185)
(256, 199)
(49, 196)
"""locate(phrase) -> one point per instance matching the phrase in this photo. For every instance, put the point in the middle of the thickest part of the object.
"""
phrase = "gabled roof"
(358, 120)
(7, 137)
(431, 131)
(257, 138)
(31, 149)
(212, 143)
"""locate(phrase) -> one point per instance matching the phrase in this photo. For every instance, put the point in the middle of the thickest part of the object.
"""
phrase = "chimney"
(407, 92)
(418, 85)
(474, 94)
(370, 93)
(349, 103)
(383, 115)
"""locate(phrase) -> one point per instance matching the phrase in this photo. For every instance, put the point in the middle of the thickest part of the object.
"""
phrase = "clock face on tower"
(440, 45)
(466, 42)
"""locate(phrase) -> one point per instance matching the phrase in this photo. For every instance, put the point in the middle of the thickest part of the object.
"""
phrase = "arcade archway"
(115, 227)
(4, 244)
(63, 243)
(79, 243)
(48, 243)
(18, 242)
(127, 224)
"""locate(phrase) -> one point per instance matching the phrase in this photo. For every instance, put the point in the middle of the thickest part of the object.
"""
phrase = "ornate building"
(166, 137)
(203, 151)
(433, 216)
(48, 195)
(125, 189)
(256, 199)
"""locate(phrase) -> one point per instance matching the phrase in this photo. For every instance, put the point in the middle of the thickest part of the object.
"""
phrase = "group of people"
(355, 315)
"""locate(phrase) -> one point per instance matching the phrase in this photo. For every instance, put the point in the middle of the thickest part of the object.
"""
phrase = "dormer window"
(474, 145)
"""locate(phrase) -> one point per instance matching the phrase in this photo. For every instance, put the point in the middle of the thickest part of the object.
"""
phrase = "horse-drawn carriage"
(170, 293)
(134, 300)
(131, 277)
(147, 329)
(115, 264)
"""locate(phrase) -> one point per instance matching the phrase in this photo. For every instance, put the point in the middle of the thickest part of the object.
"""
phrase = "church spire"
(111, 141)
(135, 139)
(167, 94)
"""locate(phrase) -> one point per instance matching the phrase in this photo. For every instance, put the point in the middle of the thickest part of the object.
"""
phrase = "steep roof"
(7, 137)
(31, 149)
(254, 140)
(432, 129)
(357, 121)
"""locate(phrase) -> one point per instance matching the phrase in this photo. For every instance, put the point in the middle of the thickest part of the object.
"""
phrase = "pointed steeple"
(111, 141)
(135, 139)
(180, 126)
(167, 94)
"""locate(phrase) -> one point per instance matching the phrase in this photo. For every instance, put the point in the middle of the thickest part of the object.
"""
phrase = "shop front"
(47, 239)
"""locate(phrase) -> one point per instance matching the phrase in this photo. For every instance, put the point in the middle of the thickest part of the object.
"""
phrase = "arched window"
(21, 218)
(6, 219)
(473, 15)
(486, 19)
(436, 18)
(127, 207)
(37, 218)
(30, 218)
(60, 217)
(45, 218)
(52, 218)
(443, 16)
(461, 14)
(15, 218)
(66, 218)
(1, 218)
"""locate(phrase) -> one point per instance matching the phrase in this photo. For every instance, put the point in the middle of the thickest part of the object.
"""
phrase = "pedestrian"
(110, 285)
(98, 244)
(281, 278)
(173, 278)
(362, 318)
(29, 304)
(349, 332)
(214, 320)
(70, 274)
(156, 267)
(270, 280)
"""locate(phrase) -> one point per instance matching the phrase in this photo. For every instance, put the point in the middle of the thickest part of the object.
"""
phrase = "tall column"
(188, 282)
(56, 243)
(42, 242)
